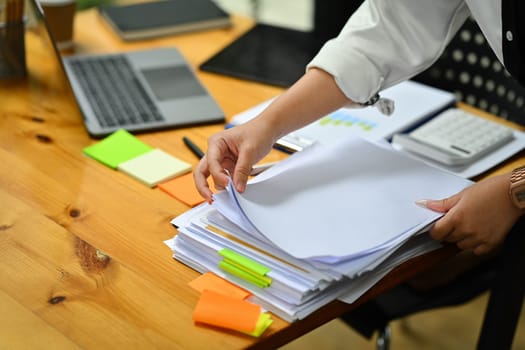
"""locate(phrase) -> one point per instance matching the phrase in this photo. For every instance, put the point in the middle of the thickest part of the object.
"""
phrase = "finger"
(220, 178)
(482, 249)
(441, 229)
(439, 205)
(467, 244)
(214, 163)
(242, 172)
(456, 236)
(200, 176)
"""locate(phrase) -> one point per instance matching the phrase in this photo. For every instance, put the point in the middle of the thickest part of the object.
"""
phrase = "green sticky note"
(154, 167)
(253, 266)
(263, 323)
(265, 279)
(117, 148)
(259, 281)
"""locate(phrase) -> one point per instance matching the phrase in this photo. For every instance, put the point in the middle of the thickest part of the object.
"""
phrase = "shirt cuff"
(359, 85)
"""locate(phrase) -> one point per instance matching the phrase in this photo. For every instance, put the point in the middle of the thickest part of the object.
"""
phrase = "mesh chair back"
(470, 69)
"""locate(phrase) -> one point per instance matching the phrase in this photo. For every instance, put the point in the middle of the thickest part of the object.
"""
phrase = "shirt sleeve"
(388, 41)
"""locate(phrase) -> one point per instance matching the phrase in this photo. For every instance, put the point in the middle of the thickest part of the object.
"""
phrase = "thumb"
(439, 205)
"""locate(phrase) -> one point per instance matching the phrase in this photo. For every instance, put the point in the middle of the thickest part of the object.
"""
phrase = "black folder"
(267, 54)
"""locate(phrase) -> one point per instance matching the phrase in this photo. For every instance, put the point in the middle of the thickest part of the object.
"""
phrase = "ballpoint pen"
(193, 147)
(257, 169)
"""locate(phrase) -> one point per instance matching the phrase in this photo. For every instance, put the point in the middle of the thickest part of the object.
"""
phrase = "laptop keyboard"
(115, 94)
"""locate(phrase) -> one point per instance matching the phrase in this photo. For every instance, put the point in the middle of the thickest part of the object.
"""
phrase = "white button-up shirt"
(388, 41)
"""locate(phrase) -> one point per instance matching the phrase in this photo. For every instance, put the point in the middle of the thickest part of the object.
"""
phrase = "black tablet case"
(267, 54)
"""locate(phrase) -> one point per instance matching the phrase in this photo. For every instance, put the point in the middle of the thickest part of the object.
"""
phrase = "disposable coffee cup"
(60, 16)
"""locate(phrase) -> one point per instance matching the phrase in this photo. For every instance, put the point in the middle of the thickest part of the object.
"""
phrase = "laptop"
(138, 91)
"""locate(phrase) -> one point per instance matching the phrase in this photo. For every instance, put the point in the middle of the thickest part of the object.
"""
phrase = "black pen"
(193, 147)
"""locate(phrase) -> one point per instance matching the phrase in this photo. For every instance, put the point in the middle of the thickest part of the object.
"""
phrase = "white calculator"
(455, 137)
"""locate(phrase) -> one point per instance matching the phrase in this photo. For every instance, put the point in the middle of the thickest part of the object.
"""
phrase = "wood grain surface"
(82, 258)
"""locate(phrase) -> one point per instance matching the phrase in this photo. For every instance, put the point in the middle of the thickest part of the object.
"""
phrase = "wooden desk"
(81, 246)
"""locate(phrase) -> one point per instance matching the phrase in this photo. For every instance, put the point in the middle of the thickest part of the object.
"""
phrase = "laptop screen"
(43, 61)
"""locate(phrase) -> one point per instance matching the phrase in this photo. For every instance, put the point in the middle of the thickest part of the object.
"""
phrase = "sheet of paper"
(353, 193)
(366, 281)
(154, 166)
(116, 148)
(413, 102)
(228, 207)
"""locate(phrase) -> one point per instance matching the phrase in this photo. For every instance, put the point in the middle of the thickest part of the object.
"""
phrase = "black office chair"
(470, 69)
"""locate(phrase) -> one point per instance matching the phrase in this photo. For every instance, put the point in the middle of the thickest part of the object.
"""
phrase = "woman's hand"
(477, 218)
(235, 150)
(239, 148)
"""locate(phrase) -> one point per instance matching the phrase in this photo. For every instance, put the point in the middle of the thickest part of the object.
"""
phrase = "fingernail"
(422, 203)
(240, 187)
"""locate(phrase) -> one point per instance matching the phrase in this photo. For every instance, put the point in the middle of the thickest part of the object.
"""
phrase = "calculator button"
(462, 134)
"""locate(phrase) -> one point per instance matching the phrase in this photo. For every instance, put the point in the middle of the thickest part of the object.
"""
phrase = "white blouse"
(388, 41)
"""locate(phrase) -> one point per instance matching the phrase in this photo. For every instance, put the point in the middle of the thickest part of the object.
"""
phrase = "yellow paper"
(154, 167)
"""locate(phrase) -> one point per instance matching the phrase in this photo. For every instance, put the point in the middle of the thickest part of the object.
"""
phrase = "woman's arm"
(238, 149)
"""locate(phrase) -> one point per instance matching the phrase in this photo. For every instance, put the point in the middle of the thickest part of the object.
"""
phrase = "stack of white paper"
(327, 223)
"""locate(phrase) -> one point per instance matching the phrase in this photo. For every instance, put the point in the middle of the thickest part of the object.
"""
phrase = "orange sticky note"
(210, 281)
(183, 188)
(226, 312)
